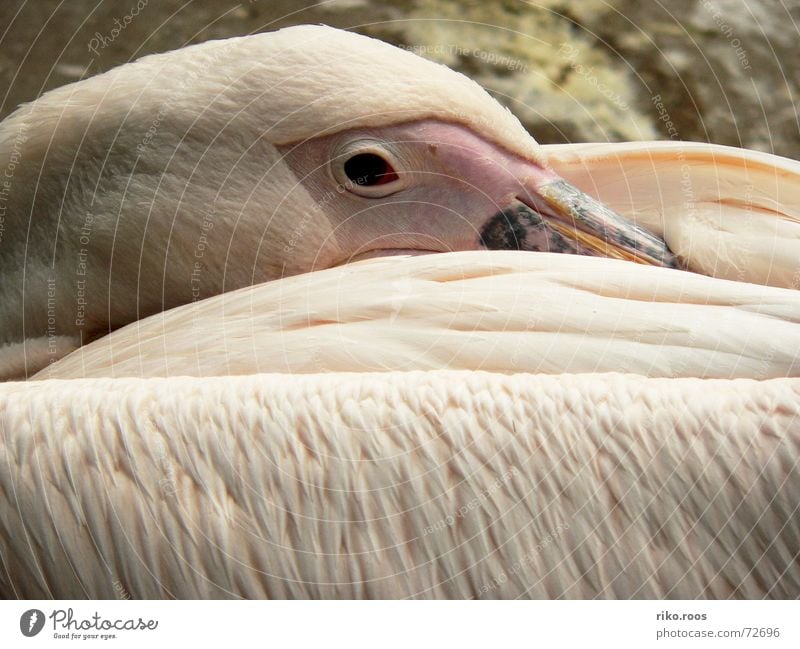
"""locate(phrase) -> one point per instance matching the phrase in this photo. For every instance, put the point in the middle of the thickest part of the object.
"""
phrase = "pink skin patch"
(432, 186)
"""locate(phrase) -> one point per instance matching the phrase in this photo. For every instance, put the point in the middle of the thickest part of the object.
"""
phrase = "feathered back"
(496, 311)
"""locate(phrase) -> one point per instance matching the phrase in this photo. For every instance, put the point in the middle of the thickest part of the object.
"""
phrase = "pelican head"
(186, 174)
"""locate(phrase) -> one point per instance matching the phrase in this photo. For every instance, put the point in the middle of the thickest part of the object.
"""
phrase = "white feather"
(496, 311)
(419, 484)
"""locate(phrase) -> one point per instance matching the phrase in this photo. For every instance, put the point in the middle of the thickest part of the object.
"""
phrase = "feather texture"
(420, 484)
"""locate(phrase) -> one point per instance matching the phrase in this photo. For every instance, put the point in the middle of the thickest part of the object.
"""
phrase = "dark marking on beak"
(521, 228)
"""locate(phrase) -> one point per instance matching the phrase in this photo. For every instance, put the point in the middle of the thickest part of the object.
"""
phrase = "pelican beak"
(552, 215)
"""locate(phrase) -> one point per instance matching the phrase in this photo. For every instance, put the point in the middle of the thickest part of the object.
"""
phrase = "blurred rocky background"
(724, 71)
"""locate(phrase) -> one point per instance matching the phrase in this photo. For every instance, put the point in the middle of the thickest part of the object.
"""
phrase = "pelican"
(191, 173)
(243, 414)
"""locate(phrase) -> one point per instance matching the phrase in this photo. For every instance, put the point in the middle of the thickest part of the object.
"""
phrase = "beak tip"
(583, 218)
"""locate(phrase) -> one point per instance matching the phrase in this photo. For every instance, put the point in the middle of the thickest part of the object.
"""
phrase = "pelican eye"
(369, 170)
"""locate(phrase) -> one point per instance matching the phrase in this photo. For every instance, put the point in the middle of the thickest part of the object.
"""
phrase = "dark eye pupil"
(369, 169)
